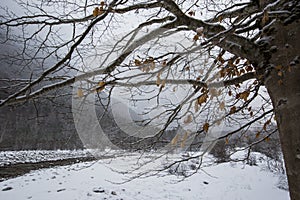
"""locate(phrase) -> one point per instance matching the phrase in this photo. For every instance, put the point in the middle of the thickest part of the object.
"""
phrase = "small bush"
(221, 151)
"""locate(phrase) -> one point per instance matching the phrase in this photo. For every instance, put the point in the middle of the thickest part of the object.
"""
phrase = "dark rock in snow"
(113, 193)
(60, 190)
(99, 190)
(206, 183)
(7, 188)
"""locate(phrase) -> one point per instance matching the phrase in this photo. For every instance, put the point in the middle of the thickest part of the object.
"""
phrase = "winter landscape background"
(42, 155)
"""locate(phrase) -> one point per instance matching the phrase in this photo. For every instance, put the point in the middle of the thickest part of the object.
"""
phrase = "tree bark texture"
(283, 85)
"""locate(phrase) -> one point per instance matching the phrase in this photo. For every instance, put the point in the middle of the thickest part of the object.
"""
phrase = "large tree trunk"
(284, 89)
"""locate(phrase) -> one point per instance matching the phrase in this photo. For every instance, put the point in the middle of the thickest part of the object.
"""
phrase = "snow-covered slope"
(97, 180)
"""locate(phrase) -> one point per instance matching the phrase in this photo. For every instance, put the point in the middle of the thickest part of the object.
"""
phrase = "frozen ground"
(97, 180)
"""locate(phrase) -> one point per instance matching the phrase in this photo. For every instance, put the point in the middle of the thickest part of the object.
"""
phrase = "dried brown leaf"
(206, 127)
(202, 99)
(257, 135)
(188, 119)
(232, 110)
(222, 105)
(80, 93)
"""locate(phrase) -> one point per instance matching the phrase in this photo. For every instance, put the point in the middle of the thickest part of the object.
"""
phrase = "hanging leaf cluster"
(99, 10)
(231, 67)
(145, 66)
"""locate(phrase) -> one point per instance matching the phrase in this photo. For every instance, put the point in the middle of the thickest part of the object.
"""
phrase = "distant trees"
(197, 65)
(23, 128)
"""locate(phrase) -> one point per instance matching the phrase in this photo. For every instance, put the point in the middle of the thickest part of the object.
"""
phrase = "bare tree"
(228, 63)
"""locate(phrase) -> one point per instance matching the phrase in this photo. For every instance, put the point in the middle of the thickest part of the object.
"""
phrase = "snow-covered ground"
(13, 157)
(99, 180)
